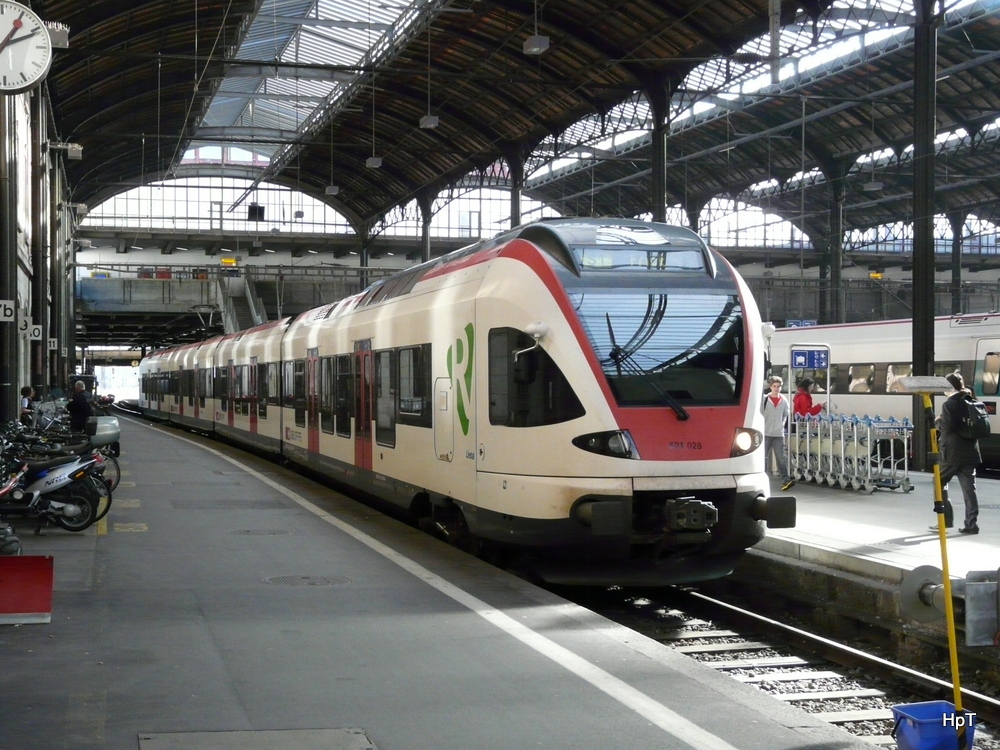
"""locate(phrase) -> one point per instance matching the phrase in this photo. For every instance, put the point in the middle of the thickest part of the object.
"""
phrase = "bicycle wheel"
(112, 471)
(103, 490)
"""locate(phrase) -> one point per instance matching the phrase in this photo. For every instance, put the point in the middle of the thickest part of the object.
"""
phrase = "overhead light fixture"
(871, 187)
(312, 252)
(373, 162)
(73, 151)
(332, 190)
(535, 45)
(429, 121)
(181, 249)
(135, 247)
(268, 250)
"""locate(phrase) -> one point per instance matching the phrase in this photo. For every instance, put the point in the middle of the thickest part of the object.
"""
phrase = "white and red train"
(584, 390)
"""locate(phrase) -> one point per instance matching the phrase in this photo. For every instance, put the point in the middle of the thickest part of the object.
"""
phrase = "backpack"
(973, 420)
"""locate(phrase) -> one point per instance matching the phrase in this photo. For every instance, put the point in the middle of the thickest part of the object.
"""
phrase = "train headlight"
(617, 444)
(746, 441)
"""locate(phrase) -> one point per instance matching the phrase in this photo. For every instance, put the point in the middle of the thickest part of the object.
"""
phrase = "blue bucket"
(931, 726)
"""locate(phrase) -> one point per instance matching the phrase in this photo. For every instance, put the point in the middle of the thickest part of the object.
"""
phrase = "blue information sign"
(813, 359)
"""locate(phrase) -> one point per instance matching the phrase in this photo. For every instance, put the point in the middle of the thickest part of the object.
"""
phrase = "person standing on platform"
(79, 407)
(959, 457)
(27, 408)
(775, 410)
(803, 401)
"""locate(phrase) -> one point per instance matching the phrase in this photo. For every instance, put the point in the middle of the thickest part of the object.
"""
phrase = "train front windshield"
(666, 331)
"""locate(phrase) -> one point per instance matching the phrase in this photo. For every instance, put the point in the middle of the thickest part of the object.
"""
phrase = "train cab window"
(861, 378)
(327, 389)
(344, 397)
(991, 374)
(299, 391)
(530, 391)
(415, 385)
(386, 388)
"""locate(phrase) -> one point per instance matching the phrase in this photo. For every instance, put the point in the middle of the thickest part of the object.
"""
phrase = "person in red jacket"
(802, 404)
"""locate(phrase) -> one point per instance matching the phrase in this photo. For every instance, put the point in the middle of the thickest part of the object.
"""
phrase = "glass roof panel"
(306, 32)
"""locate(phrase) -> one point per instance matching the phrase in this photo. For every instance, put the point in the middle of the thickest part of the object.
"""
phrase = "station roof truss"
(334, 93)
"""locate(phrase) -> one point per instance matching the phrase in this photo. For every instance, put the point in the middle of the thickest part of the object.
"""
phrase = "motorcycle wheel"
(80, 495)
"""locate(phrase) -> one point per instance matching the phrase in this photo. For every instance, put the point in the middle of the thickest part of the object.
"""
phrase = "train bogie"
(585, 392)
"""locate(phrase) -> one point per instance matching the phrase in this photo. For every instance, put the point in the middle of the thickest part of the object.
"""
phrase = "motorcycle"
(58, 490)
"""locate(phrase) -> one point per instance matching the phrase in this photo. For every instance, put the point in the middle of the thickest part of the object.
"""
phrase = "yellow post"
(949, 609)
(926, 386)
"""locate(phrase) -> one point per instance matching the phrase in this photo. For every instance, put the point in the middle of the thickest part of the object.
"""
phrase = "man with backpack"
(959, 452)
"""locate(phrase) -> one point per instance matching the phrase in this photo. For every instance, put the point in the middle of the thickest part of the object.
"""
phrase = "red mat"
(25, 589)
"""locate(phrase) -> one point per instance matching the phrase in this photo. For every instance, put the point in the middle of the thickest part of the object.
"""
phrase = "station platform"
(886, 533)
(226, 602)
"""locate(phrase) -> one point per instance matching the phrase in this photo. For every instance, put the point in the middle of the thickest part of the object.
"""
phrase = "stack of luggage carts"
(859, 453)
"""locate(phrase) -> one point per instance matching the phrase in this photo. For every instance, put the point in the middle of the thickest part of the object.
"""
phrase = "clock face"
(25, 48)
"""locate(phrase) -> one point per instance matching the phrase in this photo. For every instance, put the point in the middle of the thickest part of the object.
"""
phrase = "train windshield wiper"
(623, 360)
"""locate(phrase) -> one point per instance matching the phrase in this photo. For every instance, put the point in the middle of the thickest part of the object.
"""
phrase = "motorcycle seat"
(49, 463)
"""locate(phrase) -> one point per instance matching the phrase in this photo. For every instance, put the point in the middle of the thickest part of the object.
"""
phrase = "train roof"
(558, 238)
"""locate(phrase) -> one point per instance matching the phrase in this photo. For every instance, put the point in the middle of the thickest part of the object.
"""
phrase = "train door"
(444, 421)
(312, 396)
(363, 404)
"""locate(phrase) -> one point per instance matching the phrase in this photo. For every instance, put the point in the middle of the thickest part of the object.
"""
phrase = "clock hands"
(18, 23)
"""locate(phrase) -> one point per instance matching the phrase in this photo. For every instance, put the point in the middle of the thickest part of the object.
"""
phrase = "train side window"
(205, 374)
(222, 386)
(344, 397)
(415, 386)
(287, 385)
(941, 369)
(263, 394)
(327, 387)
(273, 384)
(893, 373)
(819, 377)
(991, 374)
(527, 393)
(861, 378)
(385, 397)
(299, 391)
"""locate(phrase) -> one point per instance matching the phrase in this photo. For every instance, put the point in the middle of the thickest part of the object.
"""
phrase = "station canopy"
(370, 105)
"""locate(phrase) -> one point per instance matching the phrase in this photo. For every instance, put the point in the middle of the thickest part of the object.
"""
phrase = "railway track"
(837, 683)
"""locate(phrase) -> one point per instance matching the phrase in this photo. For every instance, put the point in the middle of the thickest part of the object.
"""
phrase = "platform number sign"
(8, 311)
(27, 327)
(811, 359)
